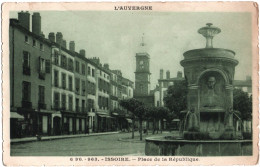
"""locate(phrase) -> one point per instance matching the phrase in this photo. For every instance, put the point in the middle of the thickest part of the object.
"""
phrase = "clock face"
(141, 62)
(142, 66)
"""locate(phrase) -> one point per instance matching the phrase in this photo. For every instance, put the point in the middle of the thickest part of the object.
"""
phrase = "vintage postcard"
(134, 84)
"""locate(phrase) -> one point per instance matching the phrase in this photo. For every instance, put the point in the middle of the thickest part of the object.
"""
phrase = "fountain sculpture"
(208, 124)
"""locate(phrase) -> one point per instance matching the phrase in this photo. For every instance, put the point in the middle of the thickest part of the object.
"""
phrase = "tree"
(176, 98)
(152, 114)
(243, 103)
(131, 105)
(141, 113)
(162, 113)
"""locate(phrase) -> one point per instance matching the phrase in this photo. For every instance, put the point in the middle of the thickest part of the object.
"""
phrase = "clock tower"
(142, 73)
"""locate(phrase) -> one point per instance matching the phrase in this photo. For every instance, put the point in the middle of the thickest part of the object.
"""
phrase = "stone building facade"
(56, 90)
(30, 79)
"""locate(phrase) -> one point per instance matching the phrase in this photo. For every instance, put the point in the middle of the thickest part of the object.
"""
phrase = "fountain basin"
(160, 146)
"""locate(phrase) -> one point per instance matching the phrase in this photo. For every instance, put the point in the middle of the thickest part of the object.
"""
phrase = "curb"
(46, 138)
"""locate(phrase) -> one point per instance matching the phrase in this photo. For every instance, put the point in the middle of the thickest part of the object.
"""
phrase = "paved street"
(104, 145)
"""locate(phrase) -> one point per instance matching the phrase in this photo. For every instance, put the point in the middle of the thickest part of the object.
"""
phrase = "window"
(41, 65)
(89, 71)
(70, 65)
(26, 96)
(77, 105)
(34, 43)
(26, 63)
(93, 73)
(47, 66)
(77, 67)
(26, 39)
(90, 104)
(83, 68)
(83, 83)
(63, 61)
(63, 77)
(41, 47)
(56, 57)
(100, 73)
(77, 85)
(41, 94)
(70, 83)
(56, 78)
(56, 100)
(83, 105)
(70, 102)
(63, 101)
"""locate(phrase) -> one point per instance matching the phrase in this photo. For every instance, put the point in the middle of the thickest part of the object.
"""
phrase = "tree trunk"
(161, 125)
(153, 126)
(133, 128)
(140, 129)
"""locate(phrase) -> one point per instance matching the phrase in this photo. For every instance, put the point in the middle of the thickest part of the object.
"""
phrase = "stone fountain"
(208, 126)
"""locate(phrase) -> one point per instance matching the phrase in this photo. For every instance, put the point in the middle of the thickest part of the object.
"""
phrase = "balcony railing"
(42, 75)
(26, 104)
(26, 70)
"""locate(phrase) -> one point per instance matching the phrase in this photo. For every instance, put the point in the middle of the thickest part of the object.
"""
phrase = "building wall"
(19, 46)
(81, 76)
(59, 88)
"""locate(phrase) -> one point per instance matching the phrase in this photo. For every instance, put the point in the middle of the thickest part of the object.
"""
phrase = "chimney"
(24, 19)
(96, 60)
(51, 36)
(106, 66)
(59, 37)
(64, 44)
(179, 74)
(161, 73)
(72, 46)
(82, 52)
(168, 74)
(36, 23)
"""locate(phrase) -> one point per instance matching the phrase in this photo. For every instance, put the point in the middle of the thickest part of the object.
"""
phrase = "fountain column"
(209, 73)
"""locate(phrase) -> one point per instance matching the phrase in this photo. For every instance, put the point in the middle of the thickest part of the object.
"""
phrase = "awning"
(16, 115)
(129, 120)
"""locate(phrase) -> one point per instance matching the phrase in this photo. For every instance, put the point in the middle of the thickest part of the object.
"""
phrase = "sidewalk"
(43, 138)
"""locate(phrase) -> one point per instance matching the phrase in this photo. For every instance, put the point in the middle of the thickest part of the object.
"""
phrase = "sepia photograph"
(130, 83)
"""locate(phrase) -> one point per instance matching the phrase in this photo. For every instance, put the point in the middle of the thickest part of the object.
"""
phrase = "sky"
(115, 37)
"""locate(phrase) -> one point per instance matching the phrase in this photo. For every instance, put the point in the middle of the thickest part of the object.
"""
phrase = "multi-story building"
(30, 77)
(91, 94)
(68, 94)
(103, 118)
(164, 83)
(62, 87)
(55, 90)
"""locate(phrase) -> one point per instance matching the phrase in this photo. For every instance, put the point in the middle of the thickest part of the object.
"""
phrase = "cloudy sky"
(115, 37)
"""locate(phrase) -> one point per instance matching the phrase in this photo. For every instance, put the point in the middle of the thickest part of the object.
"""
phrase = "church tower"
(142, 73)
